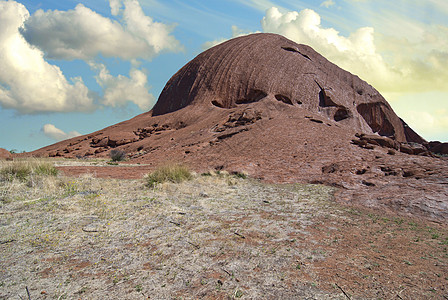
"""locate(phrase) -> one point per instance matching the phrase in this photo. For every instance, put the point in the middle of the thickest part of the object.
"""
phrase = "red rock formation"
(280, 112)
(270, 67)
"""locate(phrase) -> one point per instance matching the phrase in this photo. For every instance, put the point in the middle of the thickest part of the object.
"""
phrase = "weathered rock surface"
(280, 112)
(268, 66)
(5, 154)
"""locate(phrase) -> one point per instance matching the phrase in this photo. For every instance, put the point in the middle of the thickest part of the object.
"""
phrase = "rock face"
(268, 66)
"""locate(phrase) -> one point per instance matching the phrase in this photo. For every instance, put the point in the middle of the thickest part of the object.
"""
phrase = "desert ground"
(214, 236)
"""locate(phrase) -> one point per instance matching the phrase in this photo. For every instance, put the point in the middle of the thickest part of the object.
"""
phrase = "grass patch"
(13, 171)
(172, 173)
(45, 169)
(22, 170)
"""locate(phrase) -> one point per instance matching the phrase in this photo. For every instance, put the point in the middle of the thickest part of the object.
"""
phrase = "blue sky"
(75, 66)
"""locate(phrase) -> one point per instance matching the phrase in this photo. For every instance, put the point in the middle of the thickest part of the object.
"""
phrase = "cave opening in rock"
(283, 99)
(341, 114)
(373, 114)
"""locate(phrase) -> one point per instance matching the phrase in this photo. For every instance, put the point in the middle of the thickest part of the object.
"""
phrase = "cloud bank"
(28, 83)
(83, 34)
(57, 134)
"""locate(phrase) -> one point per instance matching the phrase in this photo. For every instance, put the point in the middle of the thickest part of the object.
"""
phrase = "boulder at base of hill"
(438, 147)
(5, 154)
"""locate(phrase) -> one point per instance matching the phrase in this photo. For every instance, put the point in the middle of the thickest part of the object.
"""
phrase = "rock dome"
(268, 66)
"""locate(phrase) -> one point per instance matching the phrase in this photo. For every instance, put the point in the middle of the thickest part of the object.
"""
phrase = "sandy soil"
(215, 237)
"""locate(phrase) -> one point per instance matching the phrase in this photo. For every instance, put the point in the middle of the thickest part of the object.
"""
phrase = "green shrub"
(173, 173)
(117, 155)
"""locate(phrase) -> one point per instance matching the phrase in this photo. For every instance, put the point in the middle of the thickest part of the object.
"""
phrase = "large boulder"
(438, 147)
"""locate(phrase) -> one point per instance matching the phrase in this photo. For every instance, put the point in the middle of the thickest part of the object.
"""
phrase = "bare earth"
(215, 237)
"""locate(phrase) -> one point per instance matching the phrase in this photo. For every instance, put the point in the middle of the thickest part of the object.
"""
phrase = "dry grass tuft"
(169, 173)
(23, 169)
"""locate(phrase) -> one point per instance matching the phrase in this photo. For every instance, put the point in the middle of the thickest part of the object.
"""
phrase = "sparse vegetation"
(15, 170)
(171, 173)
(117, 155)
(217, 235)
(23, 169)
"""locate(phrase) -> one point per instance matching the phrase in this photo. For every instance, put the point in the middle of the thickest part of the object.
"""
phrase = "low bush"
(172, 173)
(117, 155)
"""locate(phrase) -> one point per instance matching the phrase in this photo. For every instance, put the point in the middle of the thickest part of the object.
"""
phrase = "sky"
(72, 67)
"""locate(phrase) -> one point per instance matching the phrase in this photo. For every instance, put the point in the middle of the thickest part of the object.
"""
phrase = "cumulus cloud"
(28, 83)
(120, 90)
(82, 33)
(327, 3)
(57, 134)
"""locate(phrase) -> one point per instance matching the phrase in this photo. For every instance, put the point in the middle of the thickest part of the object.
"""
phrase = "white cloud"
(120, 90)
(28, 83)
(57, 134)
(156, 35)
(82, 33)
(328, 3)
(115, 6)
